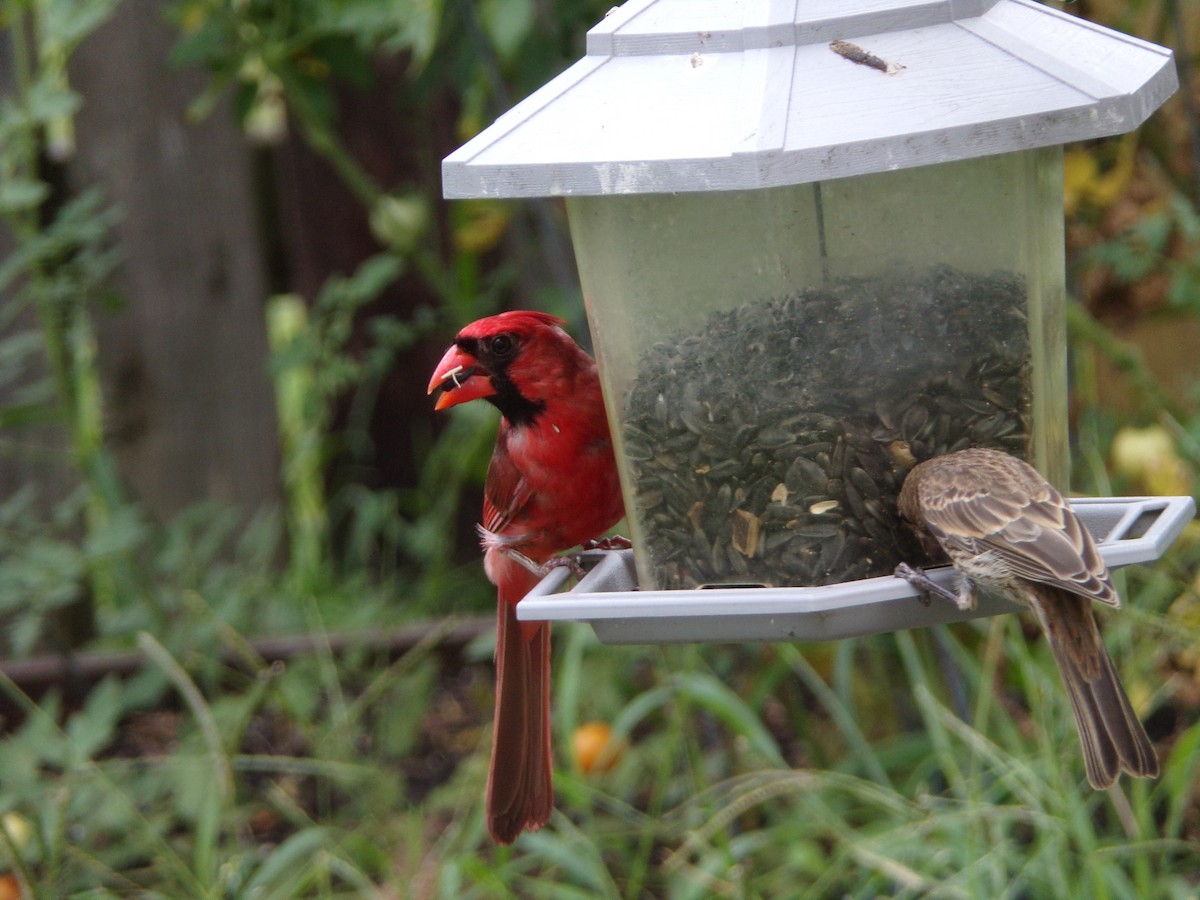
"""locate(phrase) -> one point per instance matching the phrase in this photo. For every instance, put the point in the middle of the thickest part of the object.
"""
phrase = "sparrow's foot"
(963, 598)
(923, 583)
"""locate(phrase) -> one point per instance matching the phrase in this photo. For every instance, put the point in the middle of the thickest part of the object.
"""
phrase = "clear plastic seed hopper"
(817, 241)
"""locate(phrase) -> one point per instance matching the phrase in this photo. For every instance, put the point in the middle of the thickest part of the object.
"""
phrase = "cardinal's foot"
(545, 568)
(614, 542)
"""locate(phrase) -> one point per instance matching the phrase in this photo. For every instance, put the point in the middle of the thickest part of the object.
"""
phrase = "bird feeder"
(818, 242)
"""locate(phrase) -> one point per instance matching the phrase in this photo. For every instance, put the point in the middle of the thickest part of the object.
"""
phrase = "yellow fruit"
(18, 828)
(1135, 450)
(594, 749)
(483, 226)
(1147, 457)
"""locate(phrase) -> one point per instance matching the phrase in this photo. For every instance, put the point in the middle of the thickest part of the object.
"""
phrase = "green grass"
(850, 775)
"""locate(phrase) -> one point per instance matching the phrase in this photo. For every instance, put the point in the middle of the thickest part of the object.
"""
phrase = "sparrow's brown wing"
(993, 503)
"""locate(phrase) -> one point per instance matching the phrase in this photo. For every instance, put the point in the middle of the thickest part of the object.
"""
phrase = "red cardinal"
(1004, 525)
(551, 485)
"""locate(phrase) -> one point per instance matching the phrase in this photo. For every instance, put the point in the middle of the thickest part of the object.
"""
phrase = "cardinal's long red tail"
(520, 794)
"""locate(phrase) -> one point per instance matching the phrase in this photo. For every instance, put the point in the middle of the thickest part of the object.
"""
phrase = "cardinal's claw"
(570, 562)
(521, 558)
(613, 542)
(555, 562)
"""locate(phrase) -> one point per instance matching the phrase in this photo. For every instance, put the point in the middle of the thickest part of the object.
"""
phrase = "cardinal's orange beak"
(461, 379)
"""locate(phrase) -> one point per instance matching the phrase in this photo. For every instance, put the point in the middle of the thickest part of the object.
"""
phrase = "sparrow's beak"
(461, 379)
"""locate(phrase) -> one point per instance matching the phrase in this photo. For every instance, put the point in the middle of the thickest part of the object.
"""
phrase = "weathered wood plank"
(184, 362)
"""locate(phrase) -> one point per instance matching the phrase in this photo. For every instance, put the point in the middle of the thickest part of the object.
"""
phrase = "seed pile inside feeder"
(768, 447)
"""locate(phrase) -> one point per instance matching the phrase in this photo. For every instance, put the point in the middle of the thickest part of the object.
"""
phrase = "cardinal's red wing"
(506, 493)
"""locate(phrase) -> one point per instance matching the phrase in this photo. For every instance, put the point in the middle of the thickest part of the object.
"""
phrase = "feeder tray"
(1127, 530)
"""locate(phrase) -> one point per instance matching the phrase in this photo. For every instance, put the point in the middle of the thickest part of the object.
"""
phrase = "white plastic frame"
(1128, 530)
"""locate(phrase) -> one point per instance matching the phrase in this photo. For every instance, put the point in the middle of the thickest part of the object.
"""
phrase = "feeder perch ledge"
(1128, 530)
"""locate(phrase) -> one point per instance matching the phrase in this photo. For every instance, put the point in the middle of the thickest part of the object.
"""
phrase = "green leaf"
(710, 693)
(64, 23)
(25, 415)
(209, 45)
(1187, 217)
(345, 58)
(46, 571)
(92, 729)
(419, 30)
(1153, 231)
(290, 861)
(1179, 772)
(18, 194)
(18, 348)
(723, 703)
(375, 274)
(1184, 292)
(1130, 261)
(124, 531)
(508, 23)
(49, 99)
(192, 786)
(578, 858)
(245, 95)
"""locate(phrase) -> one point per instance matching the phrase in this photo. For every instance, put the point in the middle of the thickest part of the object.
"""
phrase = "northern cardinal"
(1002, 524)
(552, 484)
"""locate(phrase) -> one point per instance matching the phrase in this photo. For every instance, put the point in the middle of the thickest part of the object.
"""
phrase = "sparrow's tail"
(1113, 738)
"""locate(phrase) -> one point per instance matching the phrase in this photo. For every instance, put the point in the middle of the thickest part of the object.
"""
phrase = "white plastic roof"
(706, 95)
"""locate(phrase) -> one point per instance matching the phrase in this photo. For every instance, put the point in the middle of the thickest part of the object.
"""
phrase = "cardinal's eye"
(502, 345)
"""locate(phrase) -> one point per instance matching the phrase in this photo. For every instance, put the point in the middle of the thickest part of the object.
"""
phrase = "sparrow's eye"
(502, 345)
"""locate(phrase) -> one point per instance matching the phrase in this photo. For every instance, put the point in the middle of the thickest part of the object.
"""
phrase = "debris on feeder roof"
(680, 95)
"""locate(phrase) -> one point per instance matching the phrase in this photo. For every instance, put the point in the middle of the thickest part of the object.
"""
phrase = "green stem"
(63, 320)
(844, 719)
(302, 411)
(222, 769)
(23, 222)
